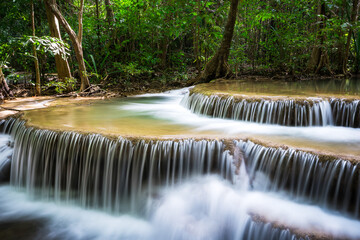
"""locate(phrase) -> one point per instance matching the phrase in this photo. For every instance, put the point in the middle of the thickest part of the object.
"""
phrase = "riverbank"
(115, 86)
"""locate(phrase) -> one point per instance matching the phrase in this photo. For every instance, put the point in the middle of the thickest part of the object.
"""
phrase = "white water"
(169, 108)
(200, 209)
(5, 154)
(5, 151)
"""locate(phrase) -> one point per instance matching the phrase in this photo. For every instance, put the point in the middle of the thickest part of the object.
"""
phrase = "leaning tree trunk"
(62, 65)
(218, 66)
(75, 40)
(353, 19)
(5, 91)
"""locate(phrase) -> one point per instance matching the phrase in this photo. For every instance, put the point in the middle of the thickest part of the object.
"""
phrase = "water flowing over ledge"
(287, 112)
(120, 176)
(260, 230)
(111, 174)
(330, 183)
(104, 173)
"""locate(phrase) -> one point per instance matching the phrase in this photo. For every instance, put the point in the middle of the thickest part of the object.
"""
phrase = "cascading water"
(103, 173)
(287, 112)
(115, 175)
(5, 157)
(260, 230)
(330, 183)
(346, 113)
(92, 187)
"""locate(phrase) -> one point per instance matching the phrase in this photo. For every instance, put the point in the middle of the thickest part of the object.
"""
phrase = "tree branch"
(62, 20)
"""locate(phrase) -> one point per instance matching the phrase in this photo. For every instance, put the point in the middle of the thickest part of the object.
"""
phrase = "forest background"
(138, 44)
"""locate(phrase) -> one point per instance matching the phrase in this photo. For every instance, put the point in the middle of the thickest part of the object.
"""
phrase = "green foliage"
(46, 44)
(157, 36)
(62, 86)
(144, 30)
(130, 70)
(4, 54)
(20, 50)
(93, 69)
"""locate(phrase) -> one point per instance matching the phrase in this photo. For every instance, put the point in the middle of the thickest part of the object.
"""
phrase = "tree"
(36, 60)
(109, 12)
(353, 19)
(319, 57)
(218, 66)
(5, 91)
(76, 40)
(62, 65)
(25, 47)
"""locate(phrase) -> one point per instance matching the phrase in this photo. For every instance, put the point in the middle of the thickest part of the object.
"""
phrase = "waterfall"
(287, 112)
(265, 231)
(329, 183)
(346, 113)
(148, 177)
(112, 175)
(6, 150)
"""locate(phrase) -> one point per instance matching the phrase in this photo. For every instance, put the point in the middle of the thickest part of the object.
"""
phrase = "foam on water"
(69, 222)
(168, 107)
(206, 208)
(199, 207)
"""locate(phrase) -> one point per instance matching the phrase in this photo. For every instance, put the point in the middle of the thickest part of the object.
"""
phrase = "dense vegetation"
(124, 41)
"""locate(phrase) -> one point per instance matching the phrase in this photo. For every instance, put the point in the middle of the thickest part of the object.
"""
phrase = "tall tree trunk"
(165, 39)
(62, 65)
(339, 45)
(36, 60)
(80, 23)
(5, 91)
(98, 23)
(218, 67)
(110, 17)
(109, 12)
(319, 57)
(196, 47)
(353, 19)
(357, 51)
(164, 45)
(196, 37)
(75, 39)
